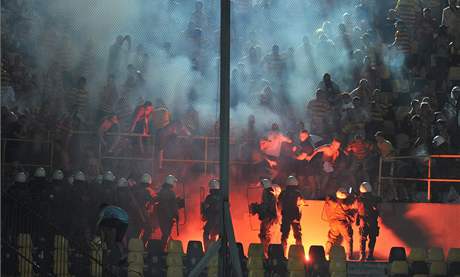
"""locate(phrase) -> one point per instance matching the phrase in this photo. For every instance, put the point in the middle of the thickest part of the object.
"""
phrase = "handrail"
(44, 221)
(429, 180)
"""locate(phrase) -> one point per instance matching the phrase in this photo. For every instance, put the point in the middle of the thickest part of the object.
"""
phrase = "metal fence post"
(379, 189)
(205, 155)
(429, 179)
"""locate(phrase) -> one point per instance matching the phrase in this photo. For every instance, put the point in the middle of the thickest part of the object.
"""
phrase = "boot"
(362, 256)
(370, 256)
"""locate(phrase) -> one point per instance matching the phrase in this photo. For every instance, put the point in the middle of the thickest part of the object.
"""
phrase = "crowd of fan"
(395, 94)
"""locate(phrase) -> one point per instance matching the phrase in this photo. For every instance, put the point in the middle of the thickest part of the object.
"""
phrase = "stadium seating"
(317, 264)
(194, 254)
(453, 262)
(399, 269)
(96, 257)
(156, 259)
(256, 265)
(417, 261)
(61, 256)
(296, 261)
(174, 259)
(276, 264)
(397, 254)
(25, 268)
(135, 257)
(438, 269)
(337, 253)
(435, 254)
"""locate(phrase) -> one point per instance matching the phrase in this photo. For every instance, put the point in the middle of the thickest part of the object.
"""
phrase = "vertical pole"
(429, 180)
(224, 132)
(205, 156)
(379, 190)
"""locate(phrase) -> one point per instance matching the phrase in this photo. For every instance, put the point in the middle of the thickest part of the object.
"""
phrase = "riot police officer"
(340, 211)
(211, 213)
(367, 216)
(168, 209)
(288, 202)
(266, 210)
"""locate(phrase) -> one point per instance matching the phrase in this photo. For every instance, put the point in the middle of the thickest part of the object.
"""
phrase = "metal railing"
(18, 217)
(428, 179)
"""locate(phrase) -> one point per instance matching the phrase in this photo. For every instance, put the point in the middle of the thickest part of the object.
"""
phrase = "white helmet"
(438, 140)
(58, 175)
(122, 183)
(21, 177)
(108, 176)
(365, 187)
(292, 181)
(214, 184)
(266, 183)
(171, 180)
(146, 178)
(40, 172)
(80, 176)
(341, 194)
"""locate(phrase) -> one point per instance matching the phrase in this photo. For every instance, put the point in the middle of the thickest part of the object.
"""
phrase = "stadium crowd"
(394, 92)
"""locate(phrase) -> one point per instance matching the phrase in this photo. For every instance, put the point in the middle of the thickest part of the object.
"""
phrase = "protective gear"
(108, 176)
(267, 215)
(214, 184)
(146, 178)
(122, 183)
(211, 214)
(367, 220)
(291, 214)
(365, 187)
(292, 181)
(80, 176)
(340, 215)
(168, 210)
(438, 140)
(58, 175)
(40, 172)
(171, 180)
(266, 183)
(341, 194)
(21, 177)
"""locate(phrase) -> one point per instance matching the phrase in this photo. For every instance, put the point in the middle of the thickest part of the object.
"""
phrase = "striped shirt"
(318, 110)
(408, 11)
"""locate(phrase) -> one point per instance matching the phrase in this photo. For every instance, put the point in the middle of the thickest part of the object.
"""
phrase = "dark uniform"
(291, 214)
(340, 214)
(368, 214)
(168, 212)
(267, 215)
(211, 213)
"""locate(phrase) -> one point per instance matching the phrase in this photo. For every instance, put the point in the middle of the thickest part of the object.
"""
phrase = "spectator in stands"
(108, 97)
(141, 122)
(111, 124)
(363, 92)
(451, 19)
(360, 151)
(331, 89)
(384, 147)
(318, 111)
